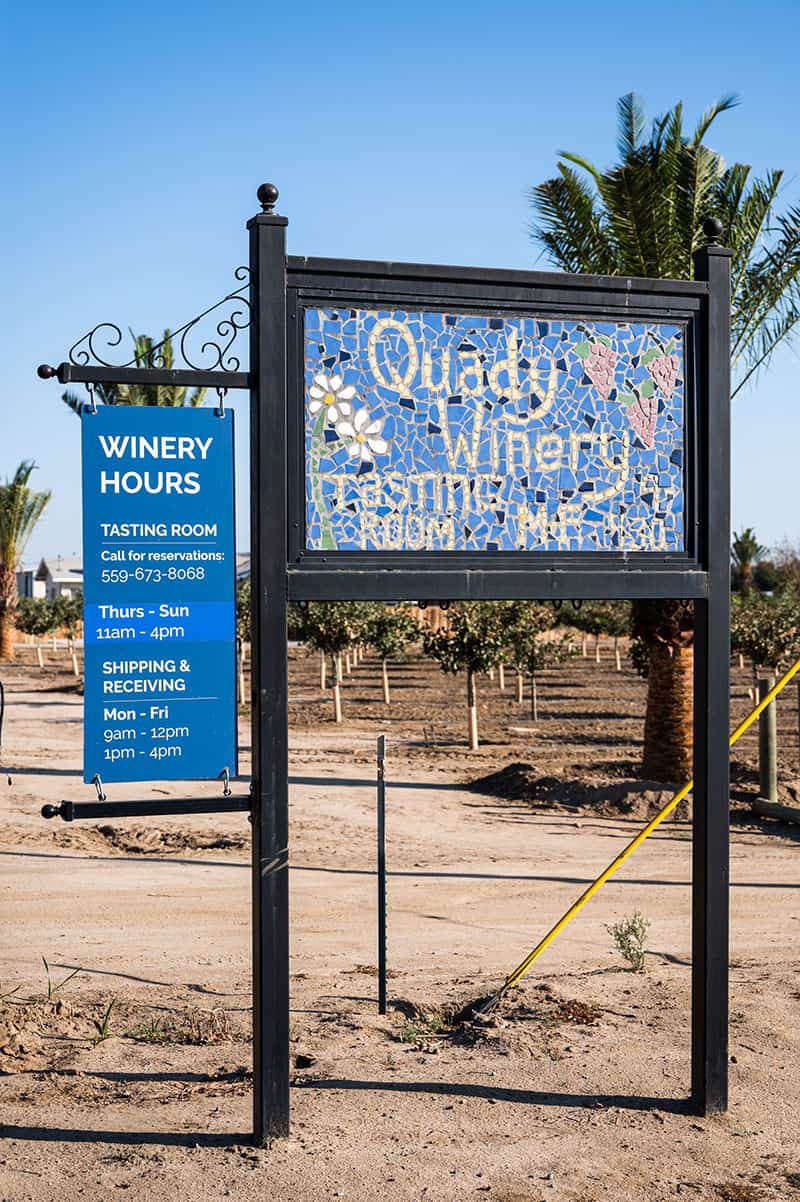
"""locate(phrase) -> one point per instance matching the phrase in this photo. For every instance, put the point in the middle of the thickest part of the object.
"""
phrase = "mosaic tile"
(443, 431)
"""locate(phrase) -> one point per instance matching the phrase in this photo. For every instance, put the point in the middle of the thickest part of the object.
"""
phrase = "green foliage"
(35, 616)
(171, 395)
(644, 217)
(611, 618)
(475, 639)
(630, 938)
(766, 576)
(54, 986)
(746, 552)
(20, 510)
(766, 629)
(640, 657)
(524, 625)
(243, 611)
(787, 566)
(334, 626)
(390, 630)
(68, 612)
(102, 1025)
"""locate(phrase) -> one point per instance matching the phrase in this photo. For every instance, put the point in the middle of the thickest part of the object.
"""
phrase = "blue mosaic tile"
(460, 432)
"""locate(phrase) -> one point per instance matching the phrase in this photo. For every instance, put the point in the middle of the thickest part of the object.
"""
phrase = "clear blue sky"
(135, 138)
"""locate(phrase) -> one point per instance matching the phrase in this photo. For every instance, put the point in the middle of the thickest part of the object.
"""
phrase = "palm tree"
(20, 510)
(172, 395)
(644, 217)
(746, 551)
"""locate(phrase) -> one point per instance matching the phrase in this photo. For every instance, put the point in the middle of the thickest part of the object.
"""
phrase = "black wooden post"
(269, 669)
(710, 855)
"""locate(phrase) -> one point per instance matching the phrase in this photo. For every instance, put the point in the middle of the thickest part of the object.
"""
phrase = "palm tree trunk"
(473, 711)
(668, 735)
(8, 601)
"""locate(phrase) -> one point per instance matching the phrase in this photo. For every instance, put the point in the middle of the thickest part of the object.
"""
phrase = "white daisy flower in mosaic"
(332, 393)
(362, 436)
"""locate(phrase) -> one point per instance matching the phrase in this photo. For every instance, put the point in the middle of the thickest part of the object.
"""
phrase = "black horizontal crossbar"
(71, 373)
(494, 584)
(70, 810)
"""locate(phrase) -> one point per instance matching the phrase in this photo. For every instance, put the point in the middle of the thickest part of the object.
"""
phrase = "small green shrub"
(630, 938)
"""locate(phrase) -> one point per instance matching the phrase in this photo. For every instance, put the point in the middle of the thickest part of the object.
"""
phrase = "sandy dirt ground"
(575, 1090)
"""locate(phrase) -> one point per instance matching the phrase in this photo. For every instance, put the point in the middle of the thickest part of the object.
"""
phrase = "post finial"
(268, 197)
(712, 228)
(45, 372)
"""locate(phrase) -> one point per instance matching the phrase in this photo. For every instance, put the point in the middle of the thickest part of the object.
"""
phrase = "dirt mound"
(34, 1034)
(629, 798)
(472, 1022)
(147, 839)
(141, 840)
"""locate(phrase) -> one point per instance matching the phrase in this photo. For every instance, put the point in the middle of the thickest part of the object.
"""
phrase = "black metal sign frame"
(321, 575)
(283, 570)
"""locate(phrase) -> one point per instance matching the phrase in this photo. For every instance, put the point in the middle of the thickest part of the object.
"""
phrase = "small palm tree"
(172, 395)
(20, 510)
(644, 217)
(746, 551)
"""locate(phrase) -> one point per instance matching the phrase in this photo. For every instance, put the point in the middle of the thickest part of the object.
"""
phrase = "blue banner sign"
(446, 431)
(159, 594)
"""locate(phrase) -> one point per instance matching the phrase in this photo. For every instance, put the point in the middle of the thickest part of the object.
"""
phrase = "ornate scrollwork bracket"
(191, 347)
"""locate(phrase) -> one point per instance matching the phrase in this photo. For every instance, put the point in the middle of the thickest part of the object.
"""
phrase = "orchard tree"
(68, 612)
(332, 627)
(767, 629)
(475, 642)
(644, 216)
(527, 650)
(611, 618)
(35, 616)
(390, 630)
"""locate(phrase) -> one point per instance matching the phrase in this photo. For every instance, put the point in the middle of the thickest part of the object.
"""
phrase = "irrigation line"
(521, 969)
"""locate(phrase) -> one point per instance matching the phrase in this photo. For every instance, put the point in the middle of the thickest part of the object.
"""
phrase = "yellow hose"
(521, 969)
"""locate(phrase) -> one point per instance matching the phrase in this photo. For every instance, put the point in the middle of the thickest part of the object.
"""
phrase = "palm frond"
(20, 510)
(724, 105)
(631, 122)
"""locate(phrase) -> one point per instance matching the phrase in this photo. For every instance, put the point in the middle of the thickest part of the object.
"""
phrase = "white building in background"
(28, 585)
(60, 576)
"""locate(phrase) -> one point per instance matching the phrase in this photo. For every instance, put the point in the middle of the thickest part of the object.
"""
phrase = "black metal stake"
(381, 875)
(269, 672)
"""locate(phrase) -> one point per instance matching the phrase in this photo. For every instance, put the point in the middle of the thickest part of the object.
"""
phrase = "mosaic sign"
(431, 431)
